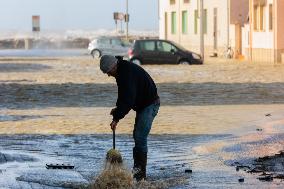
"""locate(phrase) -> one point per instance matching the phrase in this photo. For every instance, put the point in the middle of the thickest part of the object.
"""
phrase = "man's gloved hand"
(113, 125)
(112, 111)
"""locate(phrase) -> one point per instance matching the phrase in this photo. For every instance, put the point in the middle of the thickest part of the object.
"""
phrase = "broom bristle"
(114, 156)
(114, 176)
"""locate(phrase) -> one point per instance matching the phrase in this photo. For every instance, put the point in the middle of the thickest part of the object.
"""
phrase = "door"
(148, 52)
(167, 53)
(215, 30)
(238, 38)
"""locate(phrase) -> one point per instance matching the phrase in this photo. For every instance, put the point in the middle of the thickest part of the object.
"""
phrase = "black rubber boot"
(140, 163)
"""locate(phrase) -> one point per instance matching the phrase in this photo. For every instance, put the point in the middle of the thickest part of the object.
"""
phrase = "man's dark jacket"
(136, 89)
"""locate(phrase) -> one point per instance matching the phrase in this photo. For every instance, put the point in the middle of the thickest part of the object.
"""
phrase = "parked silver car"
(107, 45)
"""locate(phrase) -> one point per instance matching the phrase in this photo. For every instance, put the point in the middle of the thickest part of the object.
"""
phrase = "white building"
(223, 19)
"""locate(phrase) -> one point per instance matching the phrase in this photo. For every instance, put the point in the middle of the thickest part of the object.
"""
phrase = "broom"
(113, 156)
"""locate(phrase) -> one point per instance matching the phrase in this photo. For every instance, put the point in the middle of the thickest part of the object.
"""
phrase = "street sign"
(118, 16)
(36, 23)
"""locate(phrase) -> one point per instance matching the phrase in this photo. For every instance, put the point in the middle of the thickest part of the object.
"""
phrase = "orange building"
(265, 40)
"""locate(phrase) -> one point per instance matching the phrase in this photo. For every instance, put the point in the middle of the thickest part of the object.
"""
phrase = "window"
(184, 22)
(255, 18)
(165, 47)
(116, 42)
(205, 21)
(172, 2)
(261, 20)
(104, 41)
(270, 17)
(174, 24)
(195, 21)
(258, 18)
(147, 45)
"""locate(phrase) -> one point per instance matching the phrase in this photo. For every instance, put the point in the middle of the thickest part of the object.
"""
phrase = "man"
(137, 91)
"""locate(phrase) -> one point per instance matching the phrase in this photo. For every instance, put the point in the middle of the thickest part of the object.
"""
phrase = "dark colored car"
(154, 51)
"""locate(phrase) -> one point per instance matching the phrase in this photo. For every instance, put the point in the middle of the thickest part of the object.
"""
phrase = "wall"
(163, 4)
(279, 37)
(280, 24)
(264, 39)
(239, 11)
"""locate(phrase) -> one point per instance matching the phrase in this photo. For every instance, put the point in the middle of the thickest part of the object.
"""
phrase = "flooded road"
(56, 110)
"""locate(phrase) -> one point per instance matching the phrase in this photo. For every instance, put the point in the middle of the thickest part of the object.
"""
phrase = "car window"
(116, 42)
(165, 47)
(147, 45)
(179, 46)
(104, 41)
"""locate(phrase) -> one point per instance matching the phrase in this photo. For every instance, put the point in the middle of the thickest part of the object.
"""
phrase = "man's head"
(108, 65)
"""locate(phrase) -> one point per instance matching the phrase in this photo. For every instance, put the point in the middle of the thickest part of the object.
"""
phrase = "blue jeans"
(142, 127)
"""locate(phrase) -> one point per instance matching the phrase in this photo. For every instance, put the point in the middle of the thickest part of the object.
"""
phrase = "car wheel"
(96, 54)
(184, 62)
(136, 61)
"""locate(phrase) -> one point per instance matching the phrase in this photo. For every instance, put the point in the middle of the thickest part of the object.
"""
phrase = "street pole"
(201, 30)
(250, 29)
(127, 20)
(179, 33)
(158, 10)
(228, 24)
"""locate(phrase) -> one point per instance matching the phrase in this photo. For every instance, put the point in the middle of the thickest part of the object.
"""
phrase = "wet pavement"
(170, 156)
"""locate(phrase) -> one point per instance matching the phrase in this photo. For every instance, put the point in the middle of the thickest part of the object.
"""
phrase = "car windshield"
(178, 46)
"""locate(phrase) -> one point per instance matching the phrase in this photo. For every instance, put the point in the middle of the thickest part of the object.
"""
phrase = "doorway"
(238, 48)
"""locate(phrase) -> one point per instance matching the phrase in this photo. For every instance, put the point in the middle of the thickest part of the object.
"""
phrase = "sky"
(60, 15)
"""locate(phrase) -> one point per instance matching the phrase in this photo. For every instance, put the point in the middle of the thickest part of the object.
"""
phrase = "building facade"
(264, 41)
(179, 21)
(253, 28)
